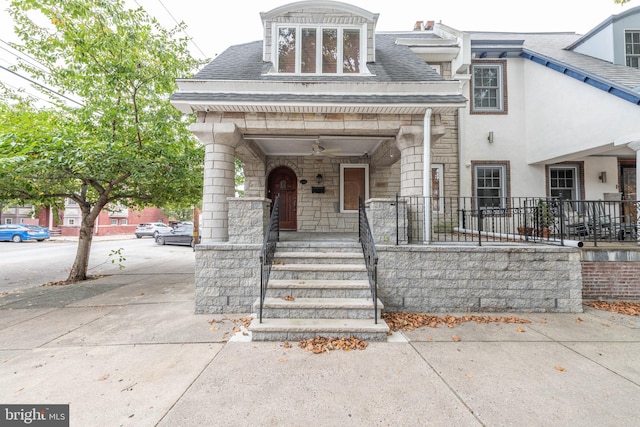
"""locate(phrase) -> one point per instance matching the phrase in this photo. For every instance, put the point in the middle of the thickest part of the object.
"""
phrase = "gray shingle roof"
(394, 63)
(553, 46)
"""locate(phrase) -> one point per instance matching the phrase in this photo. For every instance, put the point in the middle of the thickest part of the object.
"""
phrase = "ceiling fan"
(319, 150)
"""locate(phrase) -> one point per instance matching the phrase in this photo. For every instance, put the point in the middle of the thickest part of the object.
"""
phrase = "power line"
(184, 31)
(30, 94)
(35, 62)
(41, 85)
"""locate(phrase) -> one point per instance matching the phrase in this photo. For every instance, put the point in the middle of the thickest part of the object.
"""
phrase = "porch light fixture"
(603, 176)
(490, 137)
(319, 179)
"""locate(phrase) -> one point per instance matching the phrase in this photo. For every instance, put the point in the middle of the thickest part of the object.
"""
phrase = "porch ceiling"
(606, 150)
(331, 145)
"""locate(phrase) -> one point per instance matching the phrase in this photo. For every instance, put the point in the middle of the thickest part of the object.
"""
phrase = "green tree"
(122, 142)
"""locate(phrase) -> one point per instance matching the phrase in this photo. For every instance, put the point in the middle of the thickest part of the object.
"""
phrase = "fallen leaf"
(104, 377)
(409, 321)
(469, 376)
(560, 368)
(289, 298)
(286, 345)
(282, 359)
(578, 320)
(213, 328)
(520, 329)
(620, 307)
(456, 338)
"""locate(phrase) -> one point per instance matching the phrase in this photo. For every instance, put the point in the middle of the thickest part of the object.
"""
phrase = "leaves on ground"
(620, 307)
(560, 368)
(288, 298)
(319, 345)
(70, 282)
(410, 321)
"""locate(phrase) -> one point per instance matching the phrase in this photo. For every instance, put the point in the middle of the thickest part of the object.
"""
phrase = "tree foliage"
(122, 142)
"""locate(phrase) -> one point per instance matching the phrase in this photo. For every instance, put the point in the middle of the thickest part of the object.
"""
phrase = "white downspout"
(426, 175)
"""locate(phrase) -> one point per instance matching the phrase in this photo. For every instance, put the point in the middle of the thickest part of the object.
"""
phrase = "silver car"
(151, 229)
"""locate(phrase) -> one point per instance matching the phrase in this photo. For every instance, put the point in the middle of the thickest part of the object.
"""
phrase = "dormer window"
(319, 49)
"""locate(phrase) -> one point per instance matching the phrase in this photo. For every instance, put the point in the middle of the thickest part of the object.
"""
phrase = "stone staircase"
(318, 289)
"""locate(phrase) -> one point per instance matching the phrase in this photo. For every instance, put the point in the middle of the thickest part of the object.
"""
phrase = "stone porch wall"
(467, 279)
(417, 278)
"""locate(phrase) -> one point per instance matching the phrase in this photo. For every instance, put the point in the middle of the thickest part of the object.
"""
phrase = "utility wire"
(184, 31)
(35, 62)
(41, 85)
(30, 94)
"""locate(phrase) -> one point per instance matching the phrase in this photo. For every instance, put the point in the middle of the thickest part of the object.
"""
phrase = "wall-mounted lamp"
(319, 179)
(603, 176)
(490, 137)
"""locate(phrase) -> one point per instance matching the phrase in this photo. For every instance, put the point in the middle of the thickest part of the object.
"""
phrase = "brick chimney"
(418, 26)
(429, 25)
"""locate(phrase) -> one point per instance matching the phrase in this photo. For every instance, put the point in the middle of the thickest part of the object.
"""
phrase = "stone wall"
(465, 279)
(227, 278)
(418, 278)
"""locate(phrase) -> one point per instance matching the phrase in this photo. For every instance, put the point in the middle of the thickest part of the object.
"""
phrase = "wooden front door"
(283, 181)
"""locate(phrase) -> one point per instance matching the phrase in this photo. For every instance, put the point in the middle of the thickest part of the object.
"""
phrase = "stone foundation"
(418, 278)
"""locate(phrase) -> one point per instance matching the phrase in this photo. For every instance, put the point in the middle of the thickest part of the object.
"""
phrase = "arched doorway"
(283, 181)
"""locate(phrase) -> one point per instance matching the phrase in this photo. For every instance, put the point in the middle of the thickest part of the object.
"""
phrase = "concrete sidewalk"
(127, 350)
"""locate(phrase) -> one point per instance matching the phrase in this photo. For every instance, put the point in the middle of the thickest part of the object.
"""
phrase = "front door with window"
(283, 182)
(629, 192)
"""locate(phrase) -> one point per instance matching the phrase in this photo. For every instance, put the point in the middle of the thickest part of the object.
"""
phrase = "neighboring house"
(18, 215)
(325, 109)
(117, 220)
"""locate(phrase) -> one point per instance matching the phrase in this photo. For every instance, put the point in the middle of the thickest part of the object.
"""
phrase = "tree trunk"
(81, 263)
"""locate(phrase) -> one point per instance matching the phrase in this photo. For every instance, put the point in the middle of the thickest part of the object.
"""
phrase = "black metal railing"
(551, 220)
(271, 238)
(370, 254)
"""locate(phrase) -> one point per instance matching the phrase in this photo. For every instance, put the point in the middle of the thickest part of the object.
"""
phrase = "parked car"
(151, 229)
(20, 232)
(181, 235)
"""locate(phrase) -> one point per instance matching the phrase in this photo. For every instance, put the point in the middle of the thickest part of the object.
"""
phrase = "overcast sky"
(215, 25)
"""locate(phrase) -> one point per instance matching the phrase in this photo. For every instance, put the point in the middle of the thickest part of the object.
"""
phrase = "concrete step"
(319, 288)
(319, 272)
(319, 308)
(318, 257)
(298, 329)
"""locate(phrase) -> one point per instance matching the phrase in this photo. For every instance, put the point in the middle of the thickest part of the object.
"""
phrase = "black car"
(181, 235)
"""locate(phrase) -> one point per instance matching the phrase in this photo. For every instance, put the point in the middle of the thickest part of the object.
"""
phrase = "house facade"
(325, 110)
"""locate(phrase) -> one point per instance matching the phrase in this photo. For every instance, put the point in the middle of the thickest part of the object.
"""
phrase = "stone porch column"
(410, 143)
(220, 141)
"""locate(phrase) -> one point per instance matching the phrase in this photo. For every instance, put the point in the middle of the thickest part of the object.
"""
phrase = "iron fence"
(477, 220)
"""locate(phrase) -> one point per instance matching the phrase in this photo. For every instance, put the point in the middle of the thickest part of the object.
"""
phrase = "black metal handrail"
(370, 254)
(267, 253)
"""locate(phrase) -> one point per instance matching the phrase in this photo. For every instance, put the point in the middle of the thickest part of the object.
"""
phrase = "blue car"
(19, 232)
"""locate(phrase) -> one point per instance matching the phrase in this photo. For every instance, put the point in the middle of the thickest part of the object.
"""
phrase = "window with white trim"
(487, 87)
(490, 185)
(303, 49)
(564, 182)
(354, 183)
(632, 48)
